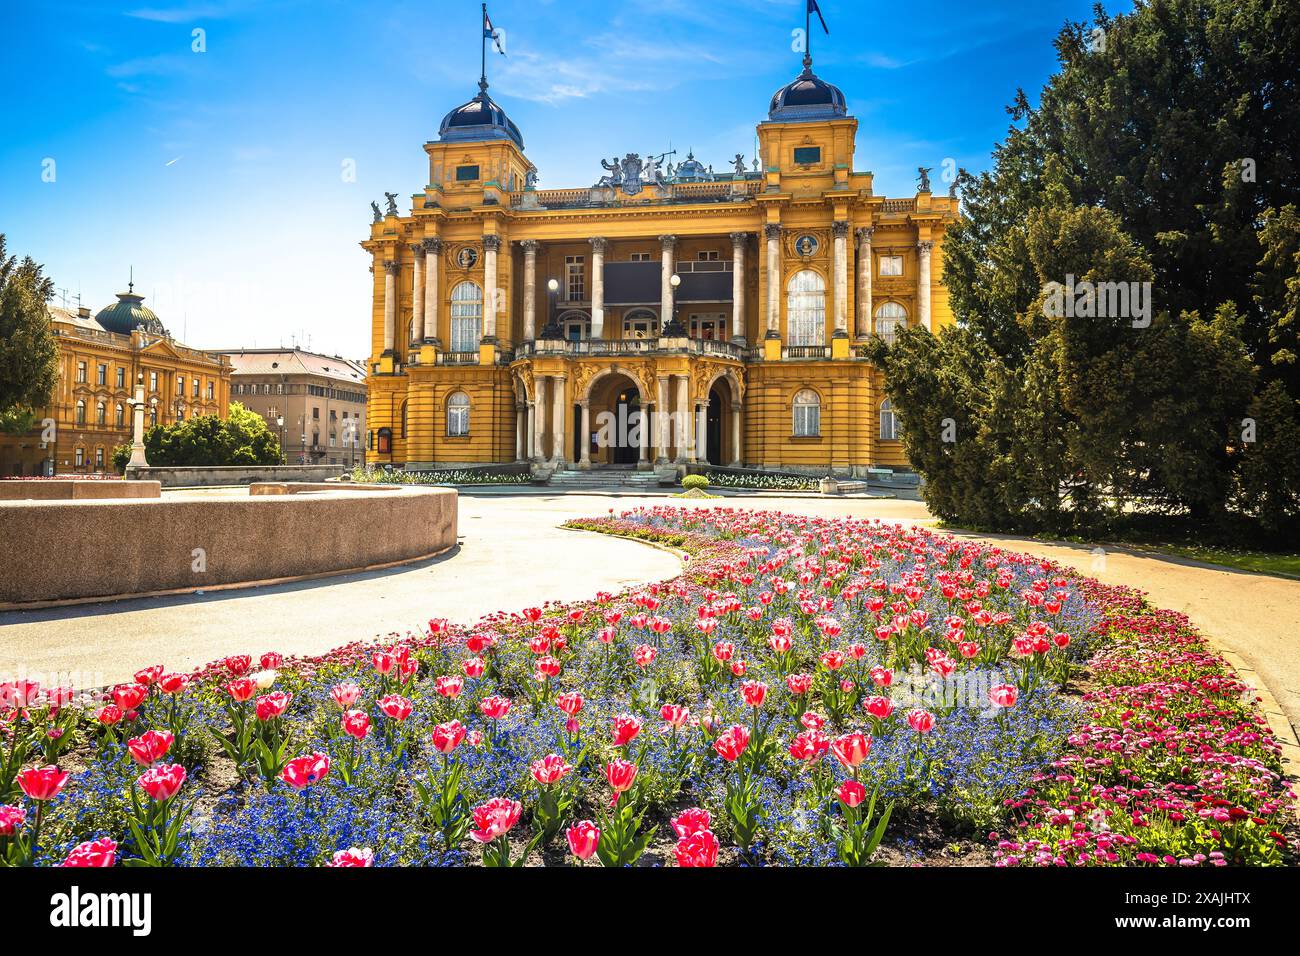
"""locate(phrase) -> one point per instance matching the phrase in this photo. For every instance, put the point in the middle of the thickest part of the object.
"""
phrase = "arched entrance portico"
(720, 443)
(610, 424)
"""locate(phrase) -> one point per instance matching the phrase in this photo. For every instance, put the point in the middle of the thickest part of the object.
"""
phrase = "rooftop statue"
(392, 204)
(739, 164)
(374, 209)
(923, 177)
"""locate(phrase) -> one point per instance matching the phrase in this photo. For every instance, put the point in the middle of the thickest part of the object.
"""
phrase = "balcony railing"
(806, 352)
(457, 358)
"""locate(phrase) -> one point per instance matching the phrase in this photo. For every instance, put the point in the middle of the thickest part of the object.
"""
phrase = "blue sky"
(218, 174)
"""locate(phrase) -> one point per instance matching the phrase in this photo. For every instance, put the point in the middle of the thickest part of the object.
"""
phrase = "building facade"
(101, 360)
(314, 404)
(724, 312)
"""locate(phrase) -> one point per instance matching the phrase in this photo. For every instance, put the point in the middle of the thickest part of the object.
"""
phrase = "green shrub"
(695, 481)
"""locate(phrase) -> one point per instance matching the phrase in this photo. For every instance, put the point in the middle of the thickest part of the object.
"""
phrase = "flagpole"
(807, 32)
(482, 47)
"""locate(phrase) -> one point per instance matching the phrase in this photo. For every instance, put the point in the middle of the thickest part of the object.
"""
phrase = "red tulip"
(548, 666)
(921, 721)
(148, 675)
(41, 783)
(11, 820)
(449, 687)
(271, 661)
(383, 662)
(494, 707)
(270, 706)
(621, 774)
(851, 749)
(162, 783)
(1003, 695)
(95, 853)
(129, 696)
(494, 819)
(447, 737)
(799, 684)
(533, 614)
(626, 727)
(551, 769)
(882, 676)
(353, 858)
(833, 660)
(396, 706)
(809, 745)
(150, 747)
(345, 695)
(644, 655)
(699, 849)
(238, 665)
(691, 821)
(584, 836)
(173, 683)
(474, 667)
(109, 715)
(878, 707)
(302, 772)
(852, 793)
(241, 690)
(356, 723)
(754, 693)
(674, 715)
(723, 651)
(731, 743)
(570, 703)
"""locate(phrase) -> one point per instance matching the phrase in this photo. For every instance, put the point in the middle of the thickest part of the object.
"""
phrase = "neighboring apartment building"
(101, 360)
(315, 404)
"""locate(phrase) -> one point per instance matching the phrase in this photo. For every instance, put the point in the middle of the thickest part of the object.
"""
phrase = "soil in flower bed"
(1005, 711)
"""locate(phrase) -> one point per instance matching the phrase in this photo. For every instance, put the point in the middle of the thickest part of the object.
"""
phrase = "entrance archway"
(616, 422)
(714, 430)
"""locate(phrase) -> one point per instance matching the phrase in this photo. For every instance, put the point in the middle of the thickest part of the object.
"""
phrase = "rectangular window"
(81, 457)
(891, 265)
(807, 155)
(466, 174)
(180, 385)
(211, 392)
(121, 378)
(101, 374)
(642, 257)
(153, 381)
(575, 287)
(196, 388)
(81, 371)
(99, 459)
(707, 255)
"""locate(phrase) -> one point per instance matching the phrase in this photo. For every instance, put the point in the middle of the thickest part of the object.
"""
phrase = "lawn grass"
(1263, 562)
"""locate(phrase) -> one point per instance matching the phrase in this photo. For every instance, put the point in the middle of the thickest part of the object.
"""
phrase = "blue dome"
(691, 170)
(481, 118)
(808, 98)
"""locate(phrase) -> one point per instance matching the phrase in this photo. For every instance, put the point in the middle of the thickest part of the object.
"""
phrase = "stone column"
(390, 304)
(530, 409)
(661, 422)
(665, 280)
(417, 296)
(137, 431)
(643, 436)
(700, 433)
(597, 287)
(559, 414)
(735, 435)
(738, 240)
(865, 269)
(530, 289)
(840, 231)
(432, 294)
(584, 450)
(923, 284)
(773, 234)
(521, 428)
(491, 297)
(539, 418)
(685, 422)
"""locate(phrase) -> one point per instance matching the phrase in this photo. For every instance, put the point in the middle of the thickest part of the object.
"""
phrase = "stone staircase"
(605, 479)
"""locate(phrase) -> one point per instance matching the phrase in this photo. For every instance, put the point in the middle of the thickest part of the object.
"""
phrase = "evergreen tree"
(28, 352)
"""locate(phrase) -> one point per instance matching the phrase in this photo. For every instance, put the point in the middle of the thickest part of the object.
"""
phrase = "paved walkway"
(512, 556)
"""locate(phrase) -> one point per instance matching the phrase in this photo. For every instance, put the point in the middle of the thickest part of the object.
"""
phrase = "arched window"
(806, 308)
(80, 457)
(458, 414)
(101, 413)
(576, 326)
(403, 419)
(466, 317)
(99, 458)
(121, 416)
(807, 414)
(385, 441)
(640, 324)
(891, 318)
(889, 430)
(81, 411)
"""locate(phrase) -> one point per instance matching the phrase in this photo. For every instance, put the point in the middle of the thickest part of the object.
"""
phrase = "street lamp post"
(552, 330)
(674, 329)
(279, 421)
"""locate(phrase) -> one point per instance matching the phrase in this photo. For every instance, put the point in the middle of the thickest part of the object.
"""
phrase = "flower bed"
(812, 691)
(462, 476)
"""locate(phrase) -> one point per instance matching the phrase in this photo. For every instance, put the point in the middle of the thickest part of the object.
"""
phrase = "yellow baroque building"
(101, 361)
(516, 324)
